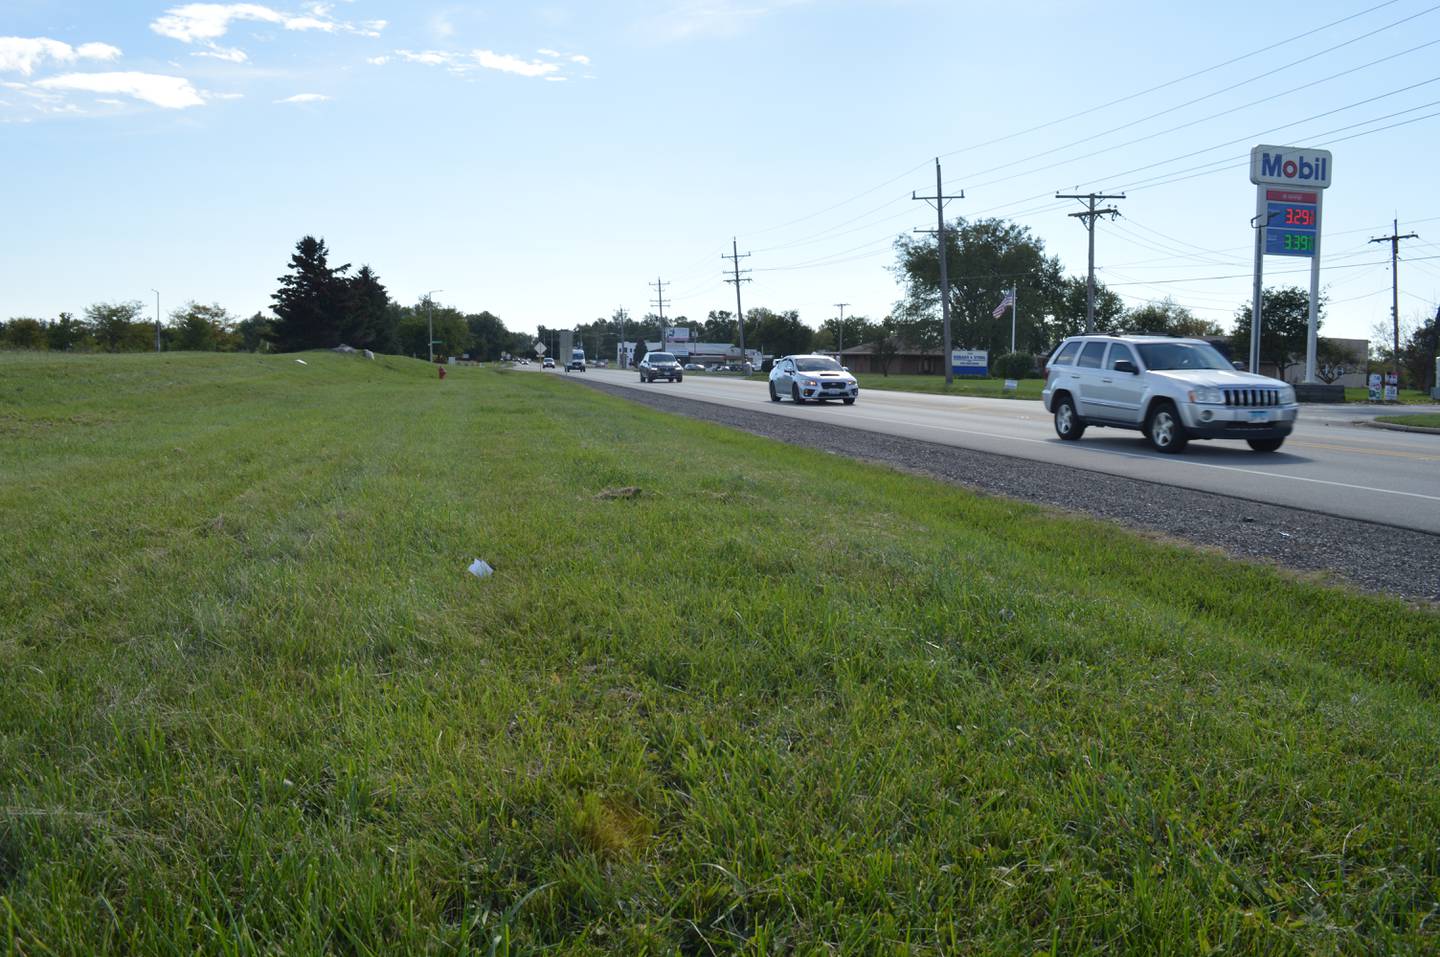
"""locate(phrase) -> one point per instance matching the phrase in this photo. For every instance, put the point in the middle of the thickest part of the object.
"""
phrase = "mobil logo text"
(1289, 165)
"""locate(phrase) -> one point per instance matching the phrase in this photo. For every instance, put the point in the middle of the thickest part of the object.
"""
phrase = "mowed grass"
(1424, 420)
(960, 385)
(1404, 397)
(780, 702)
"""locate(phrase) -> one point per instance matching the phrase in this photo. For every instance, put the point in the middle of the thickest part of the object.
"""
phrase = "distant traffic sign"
(539, 348)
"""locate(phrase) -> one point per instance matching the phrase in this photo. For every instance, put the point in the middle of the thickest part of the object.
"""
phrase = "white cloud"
(549, 53)
(689, 18)
(208, 22)
(97, 51)
(305, 98)
(429, 57)
(505, 63)
(170, 92)
(555, 79)
(377, 60)
(23, 54)
(221, 53)
(583, 60)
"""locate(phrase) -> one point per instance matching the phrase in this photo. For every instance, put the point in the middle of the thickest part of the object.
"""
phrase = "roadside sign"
(1289, 166)
(1375, 392)
(539, 348)
(970, 362)
(1292, 222)
(1290, 184)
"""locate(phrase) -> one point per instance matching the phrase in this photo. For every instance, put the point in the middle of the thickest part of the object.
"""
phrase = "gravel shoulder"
(1376, 558)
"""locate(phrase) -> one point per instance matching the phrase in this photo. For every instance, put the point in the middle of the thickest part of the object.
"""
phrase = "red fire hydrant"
(442, 371)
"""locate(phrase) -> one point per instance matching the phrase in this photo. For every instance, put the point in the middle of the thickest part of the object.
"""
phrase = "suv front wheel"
(1068, 424)
(1165, 430)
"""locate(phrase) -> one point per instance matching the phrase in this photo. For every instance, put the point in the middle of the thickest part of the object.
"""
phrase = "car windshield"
(816, 364)
(1160, 356)
(661, 357)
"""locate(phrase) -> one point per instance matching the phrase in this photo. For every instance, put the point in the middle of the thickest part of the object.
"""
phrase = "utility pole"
(157, 319)
(659, 303)
(1088, 217)
(1394, 240)
(430, 321)
(840, 349)
(938, 201)
(735, 258)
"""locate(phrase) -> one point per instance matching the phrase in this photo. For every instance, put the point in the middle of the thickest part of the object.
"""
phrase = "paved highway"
(1332, 463)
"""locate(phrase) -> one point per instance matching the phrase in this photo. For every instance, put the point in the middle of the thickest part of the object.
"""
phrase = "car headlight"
(1207, 396)
(1287, 395)
(812, 384)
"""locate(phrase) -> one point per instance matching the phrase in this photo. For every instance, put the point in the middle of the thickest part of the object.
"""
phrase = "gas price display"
(1293, 223)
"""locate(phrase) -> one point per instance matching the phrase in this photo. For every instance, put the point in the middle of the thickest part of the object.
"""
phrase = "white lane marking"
(764, 402)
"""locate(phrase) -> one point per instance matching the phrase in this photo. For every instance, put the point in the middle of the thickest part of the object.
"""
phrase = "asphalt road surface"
(1332, 463)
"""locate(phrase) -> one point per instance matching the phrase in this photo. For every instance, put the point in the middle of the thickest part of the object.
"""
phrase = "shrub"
(1014, 365)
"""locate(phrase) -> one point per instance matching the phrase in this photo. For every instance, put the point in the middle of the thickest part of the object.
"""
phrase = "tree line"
(317, 306)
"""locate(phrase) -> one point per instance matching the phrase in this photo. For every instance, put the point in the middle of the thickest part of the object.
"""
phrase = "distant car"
(1172, 390)
(547, 363)
(694, 367)
(660, 365)
(812, 378)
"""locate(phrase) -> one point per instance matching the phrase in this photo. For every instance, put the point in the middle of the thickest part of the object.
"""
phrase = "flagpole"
(1014, 309)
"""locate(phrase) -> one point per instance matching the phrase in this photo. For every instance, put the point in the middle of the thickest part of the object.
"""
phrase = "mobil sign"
(1290, 166)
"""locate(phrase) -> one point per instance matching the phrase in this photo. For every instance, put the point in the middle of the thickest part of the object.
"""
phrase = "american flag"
(1005, 303)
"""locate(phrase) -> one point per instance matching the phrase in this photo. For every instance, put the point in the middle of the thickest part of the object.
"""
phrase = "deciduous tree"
(1285, 323)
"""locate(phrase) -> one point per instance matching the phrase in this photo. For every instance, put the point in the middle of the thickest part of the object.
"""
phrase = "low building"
(906, 360)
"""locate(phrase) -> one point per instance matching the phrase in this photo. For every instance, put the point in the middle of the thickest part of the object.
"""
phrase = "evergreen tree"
(369, 322)
(311, 304)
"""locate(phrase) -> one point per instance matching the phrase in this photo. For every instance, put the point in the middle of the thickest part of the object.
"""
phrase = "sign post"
(1290, 186)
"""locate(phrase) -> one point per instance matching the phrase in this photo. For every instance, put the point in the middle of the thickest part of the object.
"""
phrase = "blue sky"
(547, 161)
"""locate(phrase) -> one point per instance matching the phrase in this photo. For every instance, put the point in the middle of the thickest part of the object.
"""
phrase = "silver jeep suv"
(1173, 390)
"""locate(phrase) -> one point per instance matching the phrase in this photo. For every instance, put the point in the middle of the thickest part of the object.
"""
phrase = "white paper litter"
(481, 568)
(302, 362)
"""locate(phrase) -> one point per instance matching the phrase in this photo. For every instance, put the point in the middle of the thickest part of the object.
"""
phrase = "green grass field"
(994, 388)
(1424, 420)
(1406, 396)
(777, 702)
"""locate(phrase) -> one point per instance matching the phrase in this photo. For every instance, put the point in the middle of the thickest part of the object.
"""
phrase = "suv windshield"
(1160, 356)
(661, 357)
(816, 364)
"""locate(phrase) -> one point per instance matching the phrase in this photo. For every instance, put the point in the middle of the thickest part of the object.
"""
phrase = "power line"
(1089, 110)
(1268, 73)
(1169, 83)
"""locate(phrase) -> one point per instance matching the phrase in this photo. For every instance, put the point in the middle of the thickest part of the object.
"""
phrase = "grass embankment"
(250, 701)
(1406, 396)
(1423, 420)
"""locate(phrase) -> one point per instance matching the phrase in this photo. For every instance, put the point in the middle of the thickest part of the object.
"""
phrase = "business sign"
(1292, 222)
(1289, 166)
(676, 334)
(970, 362)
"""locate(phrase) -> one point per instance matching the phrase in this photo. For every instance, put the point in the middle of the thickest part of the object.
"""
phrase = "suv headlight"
(1207, 396)
(1287, 395)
